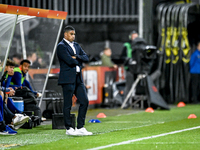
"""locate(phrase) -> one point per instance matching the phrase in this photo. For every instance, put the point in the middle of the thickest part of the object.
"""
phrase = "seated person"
(10, 65)
(16, 120)
(4, 129)
(106, 58)
(9, 68)
(18, 80)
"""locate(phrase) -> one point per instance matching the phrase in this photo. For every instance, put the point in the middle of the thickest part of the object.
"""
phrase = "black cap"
(133, 32)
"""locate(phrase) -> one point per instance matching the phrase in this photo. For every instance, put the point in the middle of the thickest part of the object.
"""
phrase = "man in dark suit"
(71, 56)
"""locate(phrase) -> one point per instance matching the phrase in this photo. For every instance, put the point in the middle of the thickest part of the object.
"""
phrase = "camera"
(144, 57)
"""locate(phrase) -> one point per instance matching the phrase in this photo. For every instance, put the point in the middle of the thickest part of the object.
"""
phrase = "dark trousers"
(8, 115)
(79, 90)
(1, 109)
(5, 114)
(195, 87)
(129, 83)
(2, 123)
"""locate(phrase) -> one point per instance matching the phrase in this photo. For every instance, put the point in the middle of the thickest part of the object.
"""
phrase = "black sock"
(2, 126)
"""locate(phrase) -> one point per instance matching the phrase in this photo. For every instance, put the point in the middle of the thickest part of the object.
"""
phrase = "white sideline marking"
(119, 122)
(144, 138)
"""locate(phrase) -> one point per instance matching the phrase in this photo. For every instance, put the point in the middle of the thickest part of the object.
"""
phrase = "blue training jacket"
(195, 62)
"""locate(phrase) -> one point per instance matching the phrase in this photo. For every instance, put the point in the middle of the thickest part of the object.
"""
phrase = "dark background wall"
(92, 30)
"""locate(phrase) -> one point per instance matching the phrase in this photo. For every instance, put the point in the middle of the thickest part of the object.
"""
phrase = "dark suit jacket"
(67, 63)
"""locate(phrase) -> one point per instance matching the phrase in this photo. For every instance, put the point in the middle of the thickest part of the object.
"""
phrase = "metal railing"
(87, 10)
(91, 10)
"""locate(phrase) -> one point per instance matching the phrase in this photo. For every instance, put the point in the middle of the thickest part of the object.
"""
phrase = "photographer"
(126, 55)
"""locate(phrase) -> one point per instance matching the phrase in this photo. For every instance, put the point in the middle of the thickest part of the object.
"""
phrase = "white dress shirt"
(71, 44)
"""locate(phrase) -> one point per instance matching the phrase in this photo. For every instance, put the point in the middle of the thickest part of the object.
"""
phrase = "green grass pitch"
(115, 129)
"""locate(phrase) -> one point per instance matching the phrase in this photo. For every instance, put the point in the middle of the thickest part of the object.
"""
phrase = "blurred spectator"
(32, 57)
(106, 58)
(41, 62)
(17, 58)
(195, 74)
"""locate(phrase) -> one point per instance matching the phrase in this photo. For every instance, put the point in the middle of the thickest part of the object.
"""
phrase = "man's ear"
(65, 34)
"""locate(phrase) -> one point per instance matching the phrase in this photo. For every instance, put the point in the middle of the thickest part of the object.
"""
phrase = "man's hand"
(115, 66)
(20, 87)
(88, 86)
(39, 94)
(74, 57)
(12, 92)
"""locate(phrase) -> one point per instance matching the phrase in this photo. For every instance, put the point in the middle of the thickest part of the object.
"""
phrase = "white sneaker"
(19, 115)
(83, 131)
(20, 119)
(71, 131)
(44, 119)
